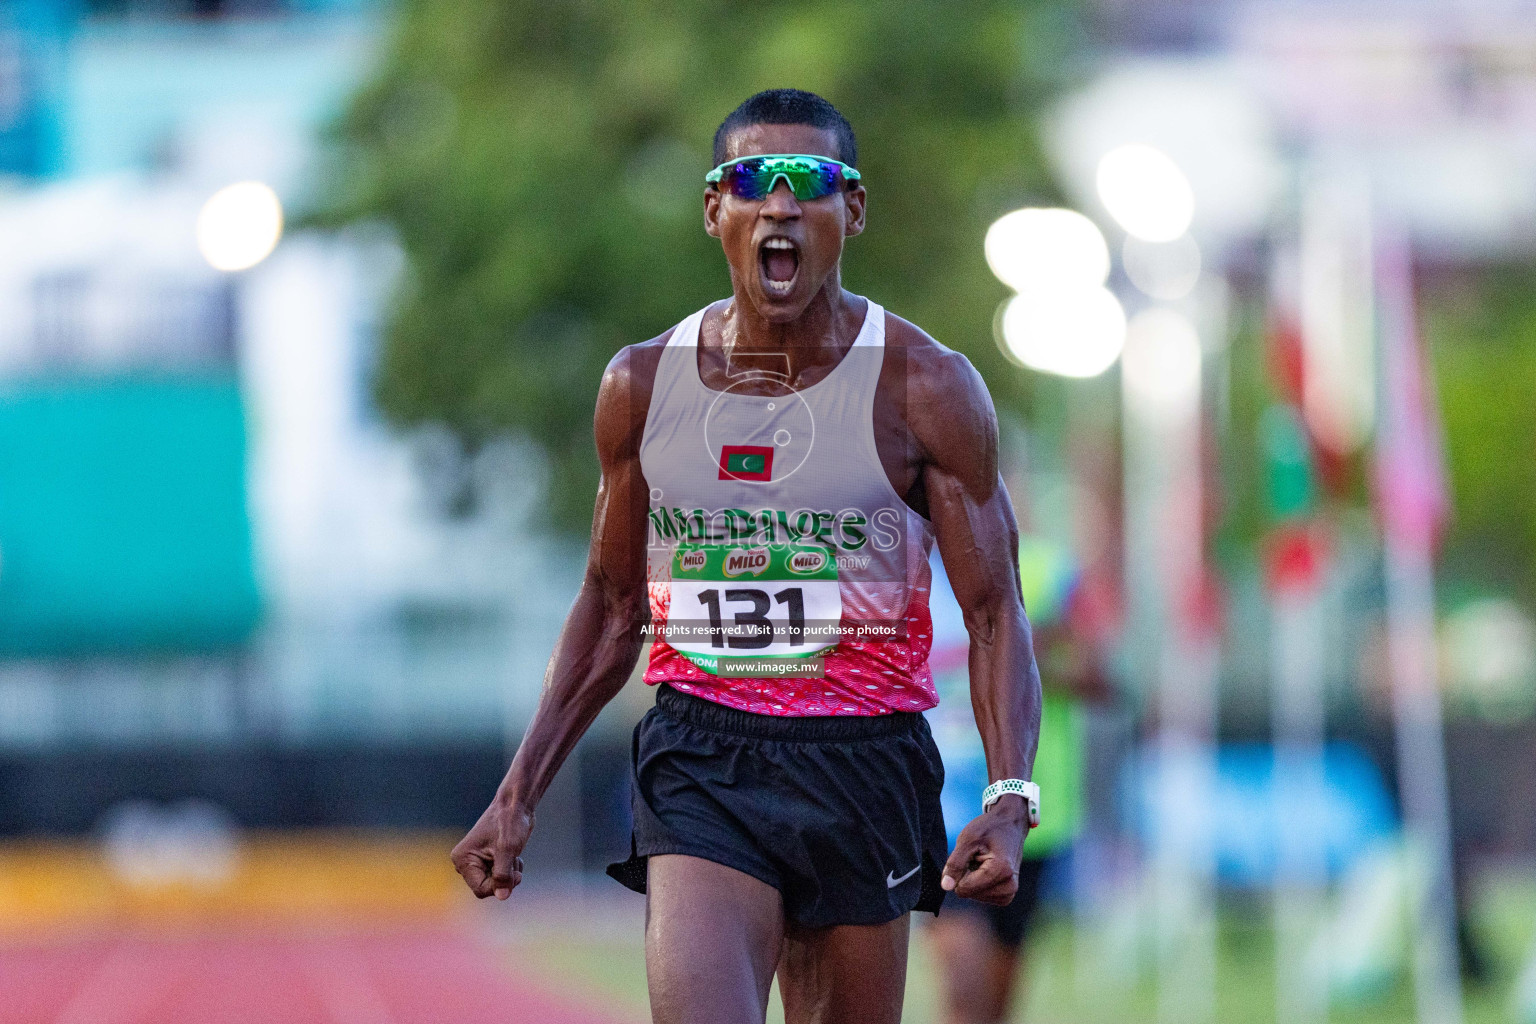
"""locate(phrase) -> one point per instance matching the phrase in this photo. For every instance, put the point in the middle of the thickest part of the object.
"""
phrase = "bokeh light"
(1072, 332)
(1161, 365)
(239, 226)
(1146, 192)
(1488, 655)
(1047, 248)
(1164, 270)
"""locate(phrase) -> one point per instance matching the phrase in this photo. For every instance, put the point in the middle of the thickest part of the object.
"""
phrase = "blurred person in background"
(788, 822)
(980, 945)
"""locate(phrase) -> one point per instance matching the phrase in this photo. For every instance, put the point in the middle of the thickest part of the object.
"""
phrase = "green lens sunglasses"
(809, 177)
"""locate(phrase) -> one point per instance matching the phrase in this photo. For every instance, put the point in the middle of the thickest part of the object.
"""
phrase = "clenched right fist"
(489, 857)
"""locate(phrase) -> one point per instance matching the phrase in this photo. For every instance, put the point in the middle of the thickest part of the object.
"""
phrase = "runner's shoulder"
(948, 408)
(624, 396)
(937, 378)
(633, 367)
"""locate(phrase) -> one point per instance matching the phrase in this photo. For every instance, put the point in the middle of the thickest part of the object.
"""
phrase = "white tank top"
(786, 575)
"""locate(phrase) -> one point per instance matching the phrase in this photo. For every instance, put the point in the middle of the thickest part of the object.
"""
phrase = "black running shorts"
(840, 814)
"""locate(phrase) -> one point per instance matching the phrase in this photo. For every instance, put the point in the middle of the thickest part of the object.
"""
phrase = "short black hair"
(789, 106)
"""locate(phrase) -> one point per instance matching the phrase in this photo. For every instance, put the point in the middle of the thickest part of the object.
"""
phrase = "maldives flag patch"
(746, 462)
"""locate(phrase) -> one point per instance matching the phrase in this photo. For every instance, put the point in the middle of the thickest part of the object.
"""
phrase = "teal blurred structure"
(123, 519)
(34, 40)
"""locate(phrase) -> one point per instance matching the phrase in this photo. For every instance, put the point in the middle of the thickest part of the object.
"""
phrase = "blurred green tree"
(1480, 327)
(542, 165)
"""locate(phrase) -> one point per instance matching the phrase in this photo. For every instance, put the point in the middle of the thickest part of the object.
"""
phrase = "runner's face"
(781, 282)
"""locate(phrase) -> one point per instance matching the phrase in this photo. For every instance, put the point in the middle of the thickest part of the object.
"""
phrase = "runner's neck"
(807, 348)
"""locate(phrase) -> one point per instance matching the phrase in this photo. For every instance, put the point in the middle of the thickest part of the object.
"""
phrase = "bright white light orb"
(1071, 332)
(1163, 270)
(1047, 248)
(1146, 192)
(1489, 650)
(1161, 367)
(239, 226)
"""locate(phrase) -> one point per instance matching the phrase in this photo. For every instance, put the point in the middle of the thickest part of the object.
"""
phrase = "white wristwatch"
(1019, 787)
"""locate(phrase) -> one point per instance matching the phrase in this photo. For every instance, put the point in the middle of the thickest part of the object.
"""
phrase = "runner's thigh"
(845, 974)
(712, 938)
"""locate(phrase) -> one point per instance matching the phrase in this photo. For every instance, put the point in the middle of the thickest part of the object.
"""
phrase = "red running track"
(275, 977)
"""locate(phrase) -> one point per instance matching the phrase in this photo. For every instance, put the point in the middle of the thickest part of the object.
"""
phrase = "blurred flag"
(1410, 470)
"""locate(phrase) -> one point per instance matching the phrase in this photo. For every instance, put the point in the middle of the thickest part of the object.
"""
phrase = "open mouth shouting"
(779, 261)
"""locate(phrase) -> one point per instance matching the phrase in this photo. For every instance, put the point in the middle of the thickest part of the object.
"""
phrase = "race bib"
(738, 610)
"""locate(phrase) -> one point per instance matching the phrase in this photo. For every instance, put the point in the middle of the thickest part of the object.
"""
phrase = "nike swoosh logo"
(892, 882)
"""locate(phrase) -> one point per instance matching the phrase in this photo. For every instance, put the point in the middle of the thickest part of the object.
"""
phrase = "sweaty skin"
(716, 936)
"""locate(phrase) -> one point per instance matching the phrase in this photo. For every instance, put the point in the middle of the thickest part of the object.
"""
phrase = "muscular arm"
(597, 647)
(953, 421)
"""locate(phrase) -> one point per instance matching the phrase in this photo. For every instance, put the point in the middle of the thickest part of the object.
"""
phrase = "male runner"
(775, 470)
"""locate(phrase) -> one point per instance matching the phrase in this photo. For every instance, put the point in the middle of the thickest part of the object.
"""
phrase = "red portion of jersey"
(863, 677)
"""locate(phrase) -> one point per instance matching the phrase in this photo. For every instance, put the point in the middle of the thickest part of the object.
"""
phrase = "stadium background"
(288, 520)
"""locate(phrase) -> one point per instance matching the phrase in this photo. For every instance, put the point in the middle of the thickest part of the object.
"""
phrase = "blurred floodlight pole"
(1410, 491)
(1301, 977)
(1150, 196)
(239, 226)
(1161, 382)
(1063, 320)
(1298, 720)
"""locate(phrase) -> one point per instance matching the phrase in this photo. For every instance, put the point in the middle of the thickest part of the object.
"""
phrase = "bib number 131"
(752, 629)
(734, 602)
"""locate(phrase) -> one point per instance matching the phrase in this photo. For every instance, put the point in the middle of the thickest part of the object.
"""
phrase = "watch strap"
(1019, 787)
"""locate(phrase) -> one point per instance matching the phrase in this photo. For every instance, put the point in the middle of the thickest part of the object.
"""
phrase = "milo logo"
(694, 559)
(807, 562)
(746, 560)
